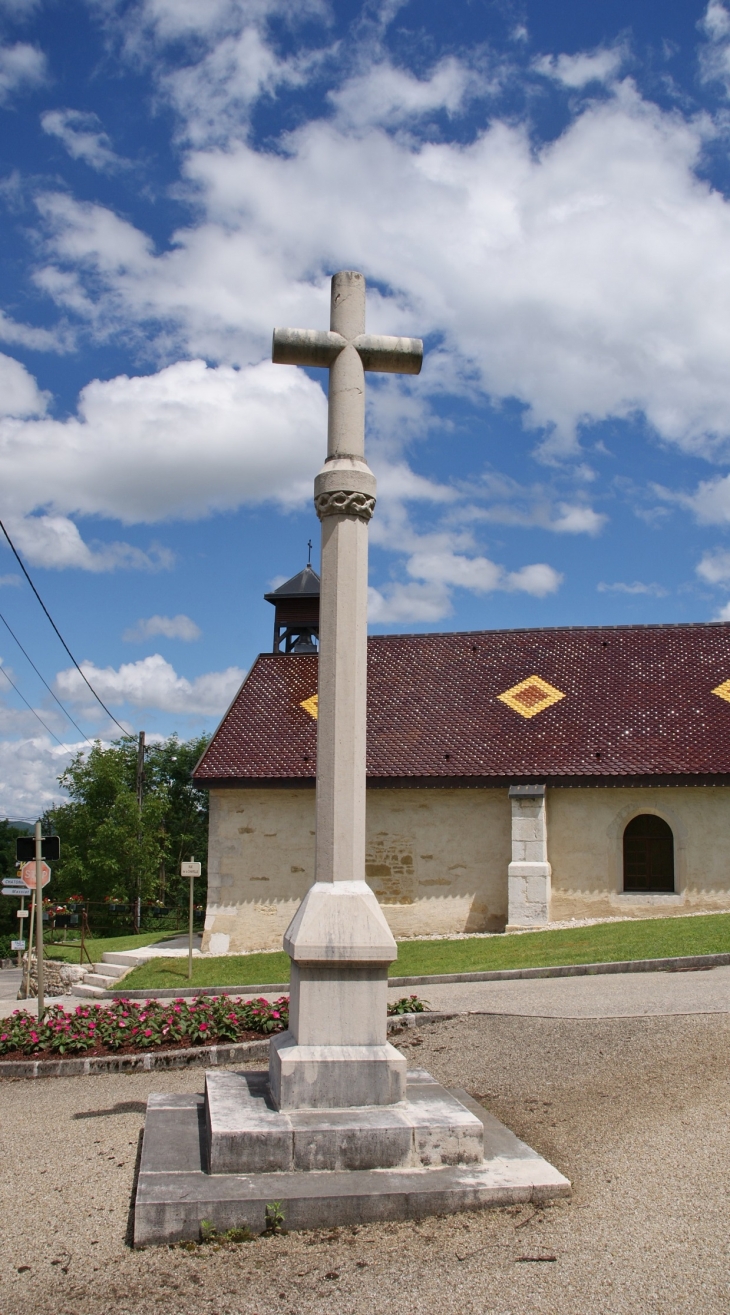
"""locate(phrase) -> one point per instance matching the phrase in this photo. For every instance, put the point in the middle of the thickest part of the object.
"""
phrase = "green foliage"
(109, 848)
(223, 970)
(273, 1218)
(209, 1234)
(408, 1004)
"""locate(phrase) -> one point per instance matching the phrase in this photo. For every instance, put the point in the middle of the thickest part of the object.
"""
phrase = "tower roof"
(303, 585)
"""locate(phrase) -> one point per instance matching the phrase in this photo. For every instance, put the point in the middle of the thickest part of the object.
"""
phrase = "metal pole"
(140, 799)
(190, 925)
(30, 944)
(39, 918)
(21, 932)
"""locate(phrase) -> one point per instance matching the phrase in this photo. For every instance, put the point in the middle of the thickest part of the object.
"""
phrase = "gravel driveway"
(633, 1110)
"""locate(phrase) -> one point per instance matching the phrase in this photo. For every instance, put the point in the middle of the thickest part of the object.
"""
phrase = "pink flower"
(148, 1031)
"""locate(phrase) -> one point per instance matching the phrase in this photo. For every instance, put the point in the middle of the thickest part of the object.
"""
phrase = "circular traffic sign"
(27, 874)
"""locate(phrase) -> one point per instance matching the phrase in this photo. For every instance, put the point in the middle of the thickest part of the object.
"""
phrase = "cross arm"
(306, 347)
(319, 347)
(389, 355)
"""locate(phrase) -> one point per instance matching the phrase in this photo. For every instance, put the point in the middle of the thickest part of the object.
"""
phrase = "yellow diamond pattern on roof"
(723, 691)
(534, 695)
(311, 705)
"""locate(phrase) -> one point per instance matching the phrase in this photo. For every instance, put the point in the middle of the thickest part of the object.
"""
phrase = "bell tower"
(296, 619)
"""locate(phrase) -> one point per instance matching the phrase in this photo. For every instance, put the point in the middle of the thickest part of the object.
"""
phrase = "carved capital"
(344, 502)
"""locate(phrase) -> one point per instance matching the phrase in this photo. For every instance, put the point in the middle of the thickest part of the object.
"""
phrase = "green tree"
(109, 848)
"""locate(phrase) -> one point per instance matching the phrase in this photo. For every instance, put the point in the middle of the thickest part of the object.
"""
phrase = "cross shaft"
(336, 1050)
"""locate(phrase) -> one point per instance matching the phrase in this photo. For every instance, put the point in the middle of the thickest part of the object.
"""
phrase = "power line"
(35, 714)
(100, 701)
(45, 682)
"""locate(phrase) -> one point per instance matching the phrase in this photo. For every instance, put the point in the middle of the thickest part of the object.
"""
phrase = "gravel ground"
(633, 1110)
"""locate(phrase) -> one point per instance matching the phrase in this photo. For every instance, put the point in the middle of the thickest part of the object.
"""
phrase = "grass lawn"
(655, 938)
(70, 951)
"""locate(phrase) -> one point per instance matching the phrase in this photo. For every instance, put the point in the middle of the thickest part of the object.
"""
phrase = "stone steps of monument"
(89, 992)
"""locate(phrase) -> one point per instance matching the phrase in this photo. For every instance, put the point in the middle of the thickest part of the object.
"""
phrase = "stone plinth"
(336, 1052)
(247, 1134)
(225, 1156)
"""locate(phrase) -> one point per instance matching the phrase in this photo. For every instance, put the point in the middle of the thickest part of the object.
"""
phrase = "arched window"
(648, 854)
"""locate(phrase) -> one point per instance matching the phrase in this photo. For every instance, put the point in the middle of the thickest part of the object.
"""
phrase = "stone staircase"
(105, 976)
(115, 964)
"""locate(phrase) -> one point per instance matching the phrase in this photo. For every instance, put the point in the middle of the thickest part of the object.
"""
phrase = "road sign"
(25, 848)
(27, 874)
(17, 945)
(11, 881)
(22, 913)
(15, 892)
(191, 869)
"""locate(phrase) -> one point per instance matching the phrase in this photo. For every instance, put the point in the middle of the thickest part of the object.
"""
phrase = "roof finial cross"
(309, 556)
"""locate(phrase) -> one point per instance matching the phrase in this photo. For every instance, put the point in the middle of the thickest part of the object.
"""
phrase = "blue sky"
(538, 190)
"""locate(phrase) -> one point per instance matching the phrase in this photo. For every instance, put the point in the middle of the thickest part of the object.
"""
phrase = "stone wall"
(58, 978)
(585, 848)
(436, 860)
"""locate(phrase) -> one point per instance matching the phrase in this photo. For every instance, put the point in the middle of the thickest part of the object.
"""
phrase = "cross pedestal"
(337, 1130)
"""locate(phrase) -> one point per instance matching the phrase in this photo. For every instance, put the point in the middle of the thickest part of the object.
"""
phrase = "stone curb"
(210, 1056)
(678, 964)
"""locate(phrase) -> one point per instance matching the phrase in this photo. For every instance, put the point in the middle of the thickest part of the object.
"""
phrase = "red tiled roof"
(638, 702)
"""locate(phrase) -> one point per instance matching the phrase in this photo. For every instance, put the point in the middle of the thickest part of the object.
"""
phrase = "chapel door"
(648, 855)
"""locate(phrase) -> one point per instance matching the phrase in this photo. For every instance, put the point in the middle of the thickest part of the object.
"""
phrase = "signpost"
(191, 870)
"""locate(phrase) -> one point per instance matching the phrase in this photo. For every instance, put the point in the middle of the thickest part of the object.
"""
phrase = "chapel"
(515, 777)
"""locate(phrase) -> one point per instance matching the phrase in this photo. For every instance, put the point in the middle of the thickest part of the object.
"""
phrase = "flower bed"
(131, 1025)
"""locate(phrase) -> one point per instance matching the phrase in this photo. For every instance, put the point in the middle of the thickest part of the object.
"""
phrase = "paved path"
(619, 995)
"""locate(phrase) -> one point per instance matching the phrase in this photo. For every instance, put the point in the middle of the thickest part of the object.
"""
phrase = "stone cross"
(336, 1052)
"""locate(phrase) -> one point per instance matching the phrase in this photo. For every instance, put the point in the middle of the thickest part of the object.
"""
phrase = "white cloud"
(578, 519)
(22, 67)
(575, 71)
(29, 768)
(603, 253)
(655, 590)
(172, 627)
(55, 542)
(409, 602)
(710, 502)
(152, 683)
(723, 614)
(388, 95)
(10, 580)
(714, 567)
(83, 137)
(715, 55)
(213, 97)
(19, 392)
(27, 335)
(207, 439)
(509, 503)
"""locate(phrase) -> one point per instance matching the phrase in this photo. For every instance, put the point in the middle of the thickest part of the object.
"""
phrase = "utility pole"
(140, 798)
(39, 919)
